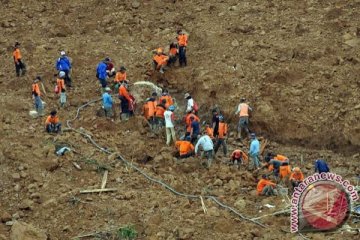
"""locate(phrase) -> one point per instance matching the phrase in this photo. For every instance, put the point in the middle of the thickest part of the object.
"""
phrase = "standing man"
(243, 111)
(149, 112)
(207, 145)
(36, 96)
(182, 39)
(169, 124)
(126, 101)
(63, 64)
(60, 83)
(195, 129)
(215, 121)
(221, 138)
(19, 64)
(254, 152)
(101, 73)
(107, 103)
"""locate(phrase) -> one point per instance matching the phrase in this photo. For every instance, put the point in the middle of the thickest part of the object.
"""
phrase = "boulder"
(24, 231)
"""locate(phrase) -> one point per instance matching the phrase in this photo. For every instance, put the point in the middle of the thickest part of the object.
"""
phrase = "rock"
(16, 176)
(5, 217)
(214, 211)
(27, 204)
(52, 165)
(186, 233)
(235, 43)
(24, 231)
(135, 4)
(161, 234)
(240, 204)
(218, 182)
(353, 42)
(23, 174)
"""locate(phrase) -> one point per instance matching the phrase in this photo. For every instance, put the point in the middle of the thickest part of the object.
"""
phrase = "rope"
(166, 186)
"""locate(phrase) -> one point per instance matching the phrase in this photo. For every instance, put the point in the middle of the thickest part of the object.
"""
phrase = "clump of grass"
(127, 233)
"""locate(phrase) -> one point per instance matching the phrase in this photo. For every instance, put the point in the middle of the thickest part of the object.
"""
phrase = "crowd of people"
(159, 112)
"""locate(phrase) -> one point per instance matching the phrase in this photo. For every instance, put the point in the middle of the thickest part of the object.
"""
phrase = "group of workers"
(159, 113)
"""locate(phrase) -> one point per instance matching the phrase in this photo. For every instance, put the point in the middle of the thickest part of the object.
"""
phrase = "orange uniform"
(281, 158)
(161, 59)
(159, 111)
(297, 176)
(123, 92)
(223, 128)
(17, 55)
(209, 132)
(284, 171)
(263, 183)
(36, 89)
(182, 40)
(184, 147)
(188, 121)
(60, 84)
(244, 110)
(173, 51)
(51, 120)
(120, 77)
(236, 154)
(149, 109)
(169, 100)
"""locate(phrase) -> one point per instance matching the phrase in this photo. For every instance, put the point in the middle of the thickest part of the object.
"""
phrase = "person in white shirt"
(169, 125)
(190, 102)
(208, 146)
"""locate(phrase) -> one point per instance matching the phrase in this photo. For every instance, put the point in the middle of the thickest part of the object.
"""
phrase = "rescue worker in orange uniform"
(52, 124)
(185, 148)
(284, 171)
(165, 96)
(149, 111)
(182, 39)
(20, 67)
(209, 130)
(173, 54)
(36, 94)
(120, 76)
(296, 177)
(265, 187)
(239, 157)
(222, 135)
(126, 101)
(243, 111)
(274, 162)
(188, 121)
(160, 60)
(61, 90)
(159, 114)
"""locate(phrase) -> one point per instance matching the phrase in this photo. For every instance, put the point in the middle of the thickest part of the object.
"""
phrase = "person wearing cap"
(208, 147)
(189, 102)
(296, 177)
(160, 60)
(107, 102)
(149, 112)
(36, 94)
(20, 67)
(52, 124)
(222, 135)
(101, 73)
(169, 125)
(321, 165)
(185, 148)
(63, 64)
(195, 129)
(254, 152)
(182, 40)
(243, 111)
(265, 187)
(60, 86)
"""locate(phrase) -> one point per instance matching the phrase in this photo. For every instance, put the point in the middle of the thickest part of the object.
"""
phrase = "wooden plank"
(77, 166)
(263, 146)
(99, 190)
(104, 179)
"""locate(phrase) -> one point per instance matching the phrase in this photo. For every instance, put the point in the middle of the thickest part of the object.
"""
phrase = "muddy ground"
(296, 62)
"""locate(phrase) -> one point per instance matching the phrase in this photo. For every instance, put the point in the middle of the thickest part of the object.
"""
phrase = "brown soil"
(296, 62)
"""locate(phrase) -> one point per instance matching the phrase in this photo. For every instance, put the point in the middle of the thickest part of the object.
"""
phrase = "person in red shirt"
(222, 135)
(182, 39)
(265, 187)
(20, 67)
(52, 124)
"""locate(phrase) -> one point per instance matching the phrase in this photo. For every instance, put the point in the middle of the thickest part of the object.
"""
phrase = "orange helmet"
(297, 169)
(159, 50)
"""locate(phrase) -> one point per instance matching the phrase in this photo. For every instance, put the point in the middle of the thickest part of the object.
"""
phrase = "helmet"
(107, 89)
(147, 100)
(62, 53)
(297, 169)
(172, 108)
(61, 74)
(221, 118)
(122, 68)
(187, 95)
(159, 50)
(253, 135)
(107, 59)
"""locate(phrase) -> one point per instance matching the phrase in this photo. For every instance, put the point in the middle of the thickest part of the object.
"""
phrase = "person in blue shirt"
(107, 102)
(195, 129)
(208, 146)
(321, 166)
(101, 73)
(63, 64)
(254, 152)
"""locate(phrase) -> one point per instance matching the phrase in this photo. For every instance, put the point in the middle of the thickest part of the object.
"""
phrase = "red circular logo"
(324, 205)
